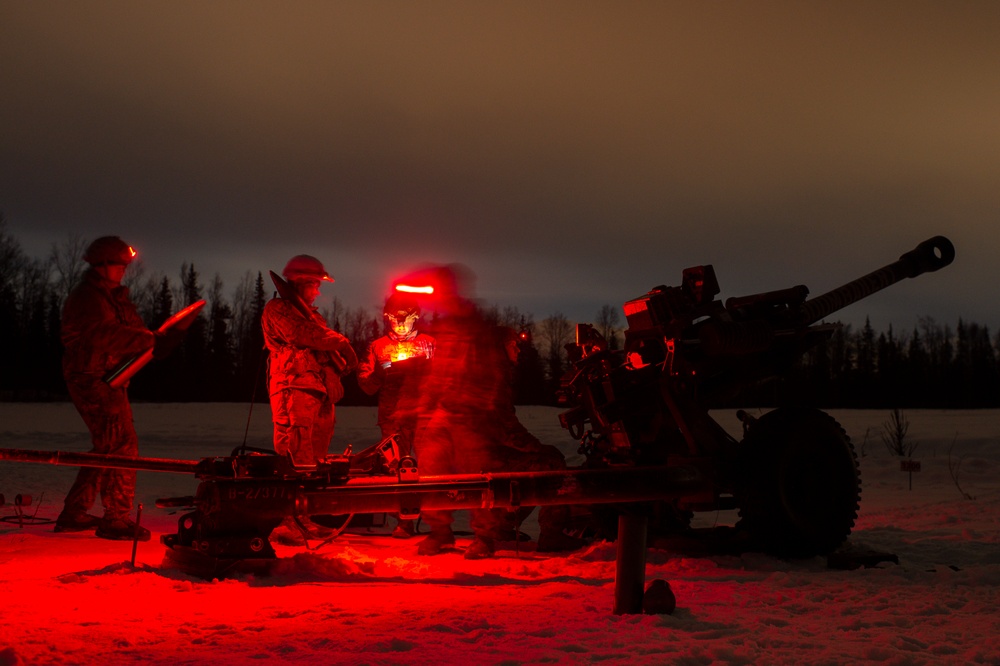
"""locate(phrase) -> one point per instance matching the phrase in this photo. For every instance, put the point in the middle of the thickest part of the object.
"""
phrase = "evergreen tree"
(11, 260)
(163, 305)
(221, 356)
(890, 390)
(530, 387)
(189, 382)
(914, 373)
(252, 352)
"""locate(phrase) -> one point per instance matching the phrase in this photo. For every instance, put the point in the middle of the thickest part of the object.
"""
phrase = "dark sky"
(572, 154)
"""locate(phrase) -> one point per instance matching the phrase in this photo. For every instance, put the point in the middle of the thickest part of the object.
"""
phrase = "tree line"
(222, 357)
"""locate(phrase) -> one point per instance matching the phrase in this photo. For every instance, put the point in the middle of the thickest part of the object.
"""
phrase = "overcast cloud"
(572, 154)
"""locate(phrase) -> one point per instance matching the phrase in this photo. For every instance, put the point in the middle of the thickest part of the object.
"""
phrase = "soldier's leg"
(434, 460)
(83, 492)
(482, 452)
(118, 485)
(108, 417)
(292, 412)
(405, 528)
(524, 456)
(435, 446)
(322, 430)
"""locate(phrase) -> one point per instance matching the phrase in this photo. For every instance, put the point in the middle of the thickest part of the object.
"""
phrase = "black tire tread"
(800, 486)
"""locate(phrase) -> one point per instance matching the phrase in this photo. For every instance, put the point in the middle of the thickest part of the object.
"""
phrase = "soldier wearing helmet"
(306, 364)
(100, 329)
(392, 367)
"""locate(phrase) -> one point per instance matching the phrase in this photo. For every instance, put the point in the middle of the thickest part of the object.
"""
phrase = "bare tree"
(555, 332)
(357, 327)
(31, 288)
(66, 259)
(335, 314)
(954, 466)
(11, 256)
(144, 291)
(607, 322)
(510, 316)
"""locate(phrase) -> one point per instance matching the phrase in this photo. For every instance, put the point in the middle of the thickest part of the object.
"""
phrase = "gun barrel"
(505, 490)
(931, 255)
(73, 459)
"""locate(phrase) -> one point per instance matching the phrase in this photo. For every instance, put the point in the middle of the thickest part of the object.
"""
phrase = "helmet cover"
(109, 250)
(305, 267)
(402, 311)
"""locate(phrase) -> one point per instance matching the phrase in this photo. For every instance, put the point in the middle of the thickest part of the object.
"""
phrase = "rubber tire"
(800, 485)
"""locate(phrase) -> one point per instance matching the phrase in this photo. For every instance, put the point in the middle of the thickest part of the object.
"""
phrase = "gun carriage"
(794, 475)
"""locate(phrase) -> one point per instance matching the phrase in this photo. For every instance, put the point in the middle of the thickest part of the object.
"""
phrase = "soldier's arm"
(286, 325)
(369, 372)
(94, 320)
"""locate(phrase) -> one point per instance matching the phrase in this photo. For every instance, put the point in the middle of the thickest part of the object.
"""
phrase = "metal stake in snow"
(135, 535)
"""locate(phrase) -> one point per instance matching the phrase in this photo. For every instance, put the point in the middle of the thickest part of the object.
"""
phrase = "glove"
(350, 358)
(166, 341)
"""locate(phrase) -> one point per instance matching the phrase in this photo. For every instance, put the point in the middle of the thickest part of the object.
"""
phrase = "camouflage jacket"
(100, 328)
(469, 370)
(300, 351)
(391, 367)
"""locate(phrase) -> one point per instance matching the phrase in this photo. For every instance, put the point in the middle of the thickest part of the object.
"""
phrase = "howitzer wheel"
(801, 488)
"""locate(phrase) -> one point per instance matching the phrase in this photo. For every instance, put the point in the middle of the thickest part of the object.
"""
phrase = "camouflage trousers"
(108, 416)
(403, 429)
(520, 451)
(303, 425)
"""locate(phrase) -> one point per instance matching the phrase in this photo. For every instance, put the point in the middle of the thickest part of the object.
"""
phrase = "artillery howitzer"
(641, 416)
(794, 476)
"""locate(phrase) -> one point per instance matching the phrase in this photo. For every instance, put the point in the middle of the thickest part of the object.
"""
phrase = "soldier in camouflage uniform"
(101, 329)
(520, 451)
(467, 422)
(305, 367)
(394, 367)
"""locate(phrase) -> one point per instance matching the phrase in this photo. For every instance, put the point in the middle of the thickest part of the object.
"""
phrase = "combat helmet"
(305, 267)
(109, 250)
(402, 311)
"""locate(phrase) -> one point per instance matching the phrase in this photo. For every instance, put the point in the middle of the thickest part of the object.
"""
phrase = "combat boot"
(552, 536)
(558, 542)
(480, 548)
(121, 529)
(76, 522)
(288, 536)
(436, 541)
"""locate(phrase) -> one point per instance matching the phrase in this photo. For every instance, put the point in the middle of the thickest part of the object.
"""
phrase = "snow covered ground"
(369, 599)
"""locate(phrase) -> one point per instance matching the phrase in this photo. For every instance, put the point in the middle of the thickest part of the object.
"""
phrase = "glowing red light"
(132, 252)
(633, 307)
(411, 289)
